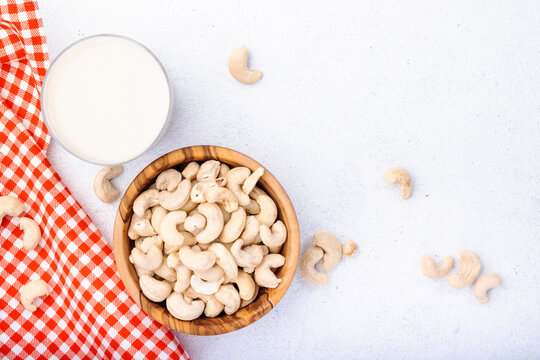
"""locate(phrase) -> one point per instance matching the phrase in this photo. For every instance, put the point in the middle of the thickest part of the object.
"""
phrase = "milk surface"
(106, 99)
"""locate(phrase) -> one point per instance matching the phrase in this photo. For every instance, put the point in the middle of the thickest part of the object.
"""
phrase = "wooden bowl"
(266, 299)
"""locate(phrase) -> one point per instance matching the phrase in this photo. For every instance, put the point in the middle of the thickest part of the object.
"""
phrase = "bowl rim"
(266, 300)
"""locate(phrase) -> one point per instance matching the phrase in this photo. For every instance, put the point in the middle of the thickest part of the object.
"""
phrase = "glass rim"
(50, 128)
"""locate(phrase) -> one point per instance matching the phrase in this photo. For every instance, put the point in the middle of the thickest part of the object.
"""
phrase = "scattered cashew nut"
(469, 268)
(402, 178)
(307, 266)
(31, 291)
(331, 247)
(433, 270)
(32, 233)
(348, 249)
(102, 183)
(483, 284)
(238, 67)
(11, 206)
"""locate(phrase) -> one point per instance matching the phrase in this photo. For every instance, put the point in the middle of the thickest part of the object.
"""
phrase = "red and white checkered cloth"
(88, 313)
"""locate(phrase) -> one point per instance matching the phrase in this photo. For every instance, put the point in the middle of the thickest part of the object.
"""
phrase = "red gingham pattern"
(88, 313)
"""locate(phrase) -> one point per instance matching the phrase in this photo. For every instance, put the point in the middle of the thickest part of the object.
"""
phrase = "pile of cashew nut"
(205, 239)
(11, 206)
(469, 268)
(328, 248)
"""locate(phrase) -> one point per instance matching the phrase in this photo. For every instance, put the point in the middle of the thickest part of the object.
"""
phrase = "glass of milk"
(106, 99)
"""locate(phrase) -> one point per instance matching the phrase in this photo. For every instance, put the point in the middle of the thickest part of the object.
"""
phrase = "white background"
(447, 89)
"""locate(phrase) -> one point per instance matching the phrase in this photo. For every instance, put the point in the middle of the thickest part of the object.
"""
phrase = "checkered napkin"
(88, 313)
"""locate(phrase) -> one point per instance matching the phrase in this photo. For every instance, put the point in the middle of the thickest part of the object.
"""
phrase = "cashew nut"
(158, 213)
(268, 213)
(189, 239)
(433, 270)
(348, 249)
(234, 227)
(264, 276)
(175, 200)
(402, 178)
(143, 227)
(251, 230)
(205, 287)
(172, 238)
(331, 246)
(132, 234)
(153, 289)
(239, 69)
(245, 303)
(146, 243)
(483, 284)
(256, 192)
(225, 260)
(195, 223)
(223, 170)
(251, 181)
(226, 214)
(32, 233)
(32, 290)
(235, 178)
(180, 309)
(246, 285)
(191, 170)
(213, 306)
(145, 200)
(212, 274)
(208, 171)
(11, 206)
(168, 180)
(149, 261)
(102, 183)
(141, 271)
(469, 268)
(166, 272)
(253, 207)
(183, 276)
(196, 260)
(188, 206)
(222, 196)
(307, 266)
(214, 223)
(228, 296)
(276, 237)
(250, 257)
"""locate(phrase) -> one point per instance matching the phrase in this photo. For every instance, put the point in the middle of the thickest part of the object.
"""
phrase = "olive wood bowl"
(267, 298)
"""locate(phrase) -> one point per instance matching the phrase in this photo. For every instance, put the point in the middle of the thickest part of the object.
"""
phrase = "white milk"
(106, 99)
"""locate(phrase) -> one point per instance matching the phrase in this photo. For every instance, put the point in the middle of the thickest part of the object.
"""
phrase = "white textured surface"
(448, 89)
